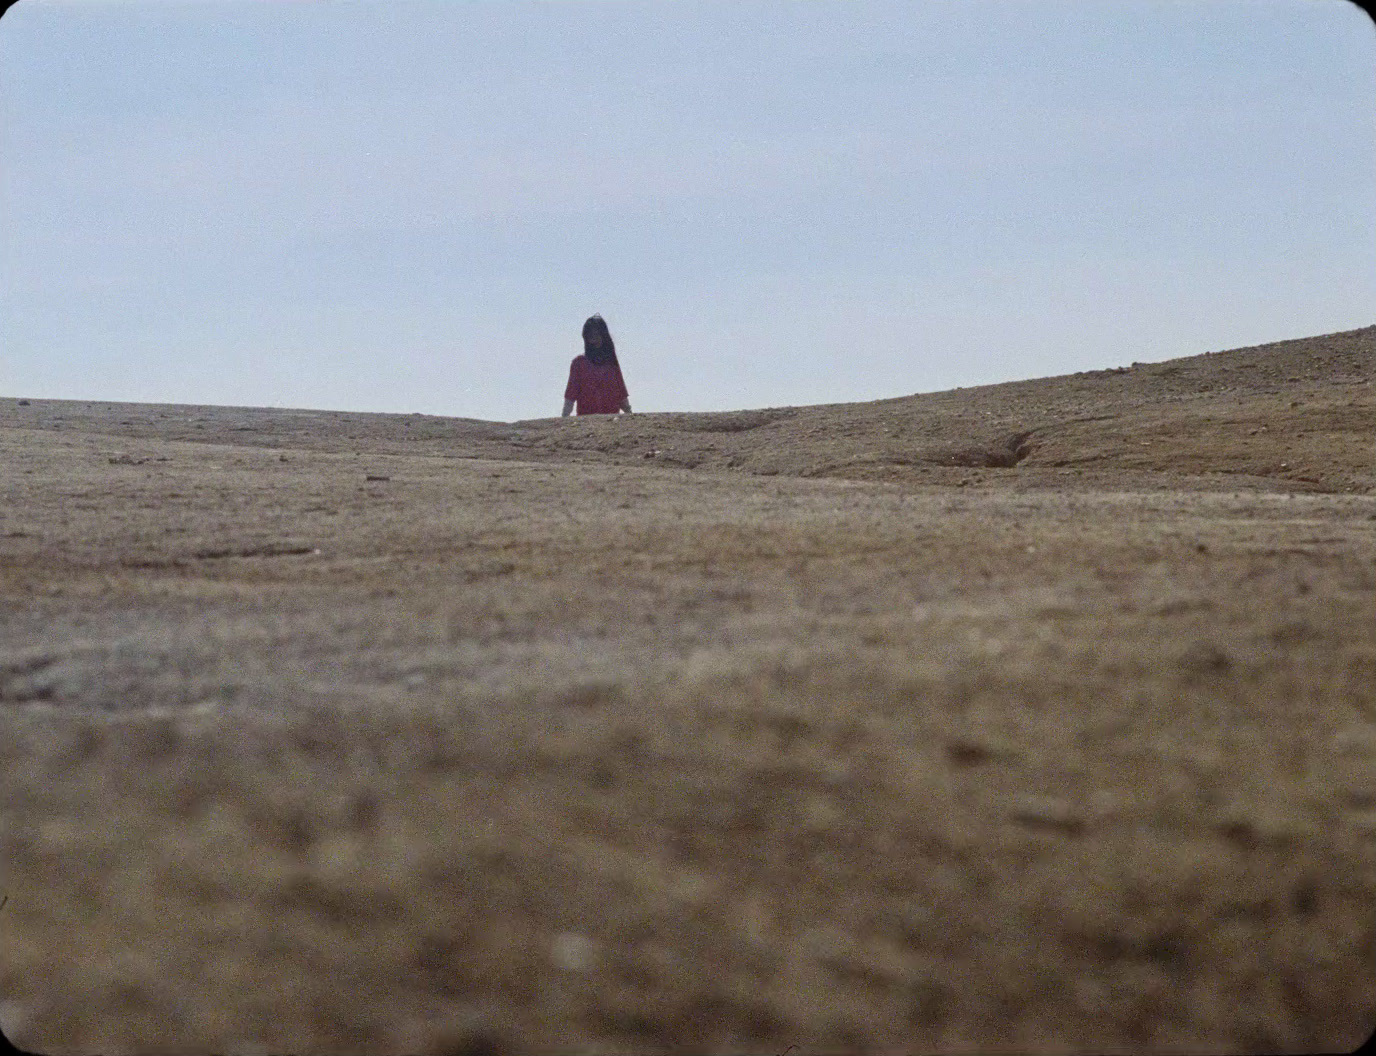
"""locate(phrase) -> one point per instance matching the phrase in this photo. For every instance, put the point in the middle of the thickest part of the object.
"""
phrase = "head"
(597, 341)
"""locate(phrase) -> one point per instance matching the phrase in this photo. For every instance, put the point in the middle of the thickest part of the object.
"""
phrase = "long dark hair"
(607, 352)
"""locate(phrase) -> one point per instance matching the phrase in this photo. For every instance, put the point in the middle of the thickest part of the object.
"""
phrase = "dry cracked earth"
(1033, 717)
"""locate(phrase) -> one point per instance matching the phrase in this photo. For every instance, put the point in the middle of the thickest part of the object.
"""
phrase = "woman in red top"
(595, 384)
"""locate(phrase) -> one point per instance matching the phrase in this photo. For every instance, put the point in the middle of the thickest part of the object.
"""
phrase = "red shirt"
(596, 388)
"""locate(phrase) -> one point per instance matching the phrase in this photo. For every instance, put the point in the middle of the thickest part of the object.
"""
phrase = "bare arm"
(568, 408)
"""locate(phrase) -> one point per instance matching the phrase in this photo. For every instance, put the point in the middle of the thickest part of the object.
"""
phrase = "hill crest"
(1295, 415)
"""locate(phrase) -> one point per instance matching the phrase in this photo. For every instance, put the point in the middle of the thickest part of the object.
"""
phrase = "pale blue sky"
(412, 205)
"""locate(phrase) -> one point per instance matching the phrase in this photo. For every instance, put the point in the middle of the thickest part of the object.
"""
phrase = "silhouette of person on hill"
(595, 384)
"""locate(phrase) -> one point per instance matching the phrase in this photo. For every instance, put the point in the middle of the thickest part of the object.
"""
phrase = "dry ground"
(1032, 717)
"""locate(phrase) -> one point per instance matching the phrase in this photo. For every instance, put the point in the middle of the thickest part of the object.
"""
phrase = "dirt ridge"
(1252, 414)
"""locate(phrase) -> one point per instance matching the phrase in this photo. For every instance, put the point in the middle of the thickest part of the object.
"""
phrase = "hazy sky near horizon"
(412, 205)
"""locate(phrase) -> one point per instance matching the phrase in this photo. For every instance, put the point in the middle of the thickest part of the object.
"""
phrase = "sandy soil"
(1034, 717)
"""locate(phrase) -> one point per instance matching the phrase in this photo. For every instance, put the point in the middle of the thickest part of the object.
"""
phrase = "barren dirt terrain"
(1034, 717)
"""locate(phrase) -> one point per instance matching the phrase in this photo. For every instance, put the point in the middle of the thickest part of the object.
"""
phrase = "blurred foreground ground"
(1038, 717)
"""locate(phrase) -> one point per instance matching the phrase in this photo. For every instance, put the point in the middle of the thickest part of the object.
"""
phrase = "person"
(595, 383)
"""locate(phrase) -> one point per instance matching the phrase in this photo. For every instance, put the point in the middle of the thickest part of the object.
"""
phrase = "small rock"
(967, 751)
(820, 815)
(1041, 812)
(572, 952)
(467, 1035)
(1248, 829)
(1205, 658)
